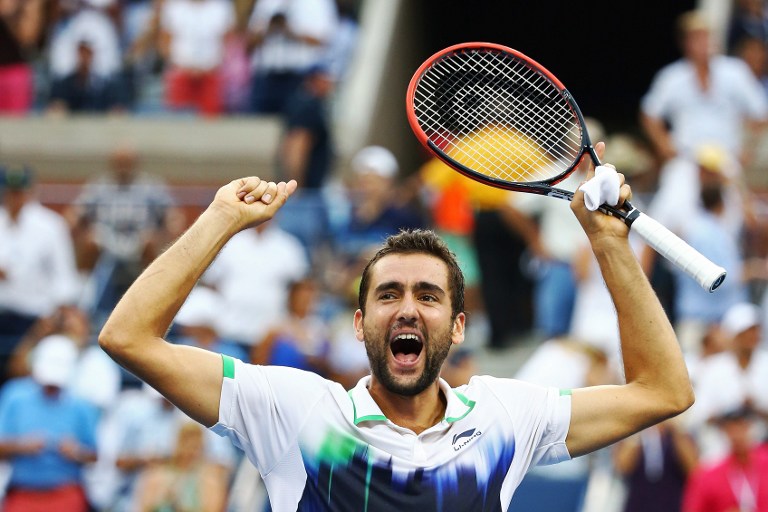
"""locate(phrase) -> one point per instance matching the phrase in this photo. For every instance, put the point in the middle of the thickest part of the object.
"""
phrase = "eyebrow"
(419, 286)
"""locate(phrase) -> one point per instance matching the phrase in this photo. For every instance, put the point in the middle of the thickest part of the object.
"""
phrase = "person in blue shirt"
(46, 434)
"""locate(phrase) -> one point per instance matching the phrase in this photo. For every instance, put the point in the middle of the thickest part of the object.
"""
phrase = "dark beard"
(378, 355)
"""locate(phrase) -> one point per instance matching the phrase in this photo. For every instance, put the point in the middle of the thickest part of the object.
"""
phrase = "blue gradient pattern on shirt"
(348, 475)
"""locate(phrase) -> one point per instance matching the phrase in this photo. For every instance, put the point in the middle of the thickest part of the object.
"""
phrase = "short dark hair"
(711, 196)
(418, 241)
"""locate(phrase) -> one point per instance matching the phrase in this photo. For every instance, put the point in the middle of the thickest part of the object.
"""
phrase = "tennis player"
(401, 439)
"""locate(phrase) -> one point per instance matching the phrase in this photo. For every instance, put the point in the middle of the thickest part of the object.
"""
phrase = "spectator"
(730, 378)
(143, 64)
(348, 358)
(192, 40)
(306, 149)
(448, 199)
(141, 431)
(373, 208)
(565, 363)
(287, 37)
(83, 90)
(738, 480)
(655, 464)
(714, 341)
(185, 481)
(678, 200)
(703, 98)
(92, 364)
(749, 19)
(306, 154)
(707, 232)
(754, 52)
(300, 338)
(266, 258)
(460, 366)
(37, 265)
(21, 27)
(344, 43)
(47, 434)
(90, 23)
(121, 220)
(553, 238)
(197, 320)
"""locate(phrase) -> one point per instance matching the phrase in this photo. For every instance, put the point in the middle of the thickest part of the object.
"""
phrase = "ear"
(457, 333)
(358, 324)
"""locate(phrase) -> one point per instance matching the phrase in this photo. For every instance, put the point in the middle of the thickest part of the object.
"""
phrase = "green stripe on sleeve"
(228, 366)
(566, 392)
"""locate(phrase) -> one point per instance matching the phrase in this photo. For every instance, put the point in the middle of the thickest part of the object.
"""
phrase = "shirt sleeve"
(262, 408)
(540, 417)
(654, 102)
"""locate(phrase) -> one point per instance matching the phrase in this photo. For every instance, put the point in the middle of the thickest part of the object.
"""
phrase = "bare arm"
(294, 153)
(657, 133)
(657, 385)
(133, 335)
(30, 24)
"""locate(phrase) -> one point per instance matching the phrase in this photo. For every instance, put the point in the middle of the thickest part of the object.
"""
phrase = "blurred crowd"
(194, 57)
(78, 433)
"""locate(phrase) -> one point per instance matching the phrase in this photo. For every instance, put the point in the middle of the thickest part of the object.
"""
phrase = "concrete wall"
(181, 149)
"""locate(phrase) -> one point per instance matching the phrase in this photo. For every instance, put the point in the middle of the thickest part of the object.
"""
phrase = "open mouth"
(406, 348)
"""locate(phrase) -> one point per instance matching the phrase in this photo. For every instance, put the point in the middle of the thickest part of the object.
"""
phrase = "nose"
(408, 309)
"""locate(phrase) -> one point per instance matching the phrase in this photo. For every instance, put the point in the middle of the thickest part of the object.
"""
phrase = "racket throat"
(560, 194)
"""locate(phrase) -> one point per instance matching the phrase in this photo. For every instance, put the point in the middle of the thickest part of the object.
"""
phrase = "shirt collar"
(365, 407)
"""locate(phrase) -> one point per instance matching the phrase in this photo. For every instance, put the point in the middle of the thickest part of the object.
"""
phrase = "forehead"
(410, 268)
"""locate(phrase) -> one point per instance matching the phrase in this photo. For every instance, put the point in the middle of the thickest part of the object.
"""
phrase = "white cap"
(377, 160)
(202, 308)
(53, 360)
(100, 4)
(739, 318)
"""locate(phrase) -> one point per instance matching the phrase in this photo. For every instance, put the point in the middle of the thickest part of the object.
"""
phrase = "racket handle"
(685, 257)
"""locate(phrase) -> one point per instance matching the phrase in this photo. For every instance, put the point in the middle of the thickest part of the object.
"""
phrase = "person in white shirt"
(402, 438)
(702, 98)
(265, 258)
(733, 377)
(192, 39)
(286, 38)
(37, 262)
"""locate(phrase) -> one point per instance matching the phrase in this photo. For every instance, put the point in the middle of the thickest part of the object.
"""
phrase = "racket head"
(497, 116)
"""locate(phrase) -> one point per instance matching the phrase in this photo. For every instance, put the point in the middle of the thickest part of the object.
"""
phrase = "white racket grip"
(685, 257)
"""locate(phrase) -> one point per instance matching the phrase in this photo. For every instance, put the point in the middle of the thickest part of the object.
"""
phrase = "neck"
(742, 457)
(744, 357)
(416, 413)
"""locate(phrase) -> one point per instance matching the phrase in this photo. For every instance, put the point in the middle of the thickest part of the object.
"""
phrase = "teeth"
(406, 337)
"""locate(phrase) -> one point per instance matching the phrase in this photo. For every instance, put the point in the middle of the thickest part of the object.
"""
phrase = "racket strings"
(495, 114)
(500, 104)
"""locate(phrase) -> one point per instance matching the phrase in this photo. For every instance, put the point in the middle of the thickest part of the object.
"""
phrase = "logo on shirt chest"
(464, 438)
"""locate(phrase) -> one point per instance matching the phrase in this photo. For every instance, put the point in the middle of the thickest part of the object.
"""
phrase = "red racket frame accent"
(542, 188)
(458, 48)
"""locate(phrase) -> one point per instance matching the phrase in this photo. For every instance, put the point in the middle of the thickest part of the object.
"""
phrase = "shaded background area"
(604, 52)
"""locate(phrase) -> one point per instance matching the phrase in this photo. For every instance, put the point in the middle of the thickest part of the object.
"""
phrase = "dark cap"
(321, 68)
(15, 176)
(741, 412)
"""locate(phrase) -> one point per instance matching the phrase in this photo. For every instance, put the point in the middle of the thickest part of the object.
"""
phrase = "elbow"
(107, 341)
(112, 341)
(681, 401)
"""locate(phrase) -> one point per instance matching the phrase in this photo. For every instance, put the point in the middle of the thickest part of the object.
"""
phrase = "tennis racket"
(499, 117)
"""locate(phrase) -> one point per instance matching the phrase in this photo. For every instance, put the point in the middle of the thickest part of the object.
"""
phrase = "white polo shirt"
(715, 115)
(319, 447)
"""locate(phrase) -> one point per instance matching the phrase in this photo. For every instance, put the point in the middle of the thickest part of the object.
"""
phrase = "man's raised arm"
(657, 383)
(133, 335)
